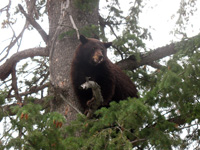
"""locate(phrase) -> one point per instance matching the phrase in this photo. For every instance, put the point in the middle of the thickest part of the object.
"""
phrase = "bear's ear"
(107, 45)
(83, 39)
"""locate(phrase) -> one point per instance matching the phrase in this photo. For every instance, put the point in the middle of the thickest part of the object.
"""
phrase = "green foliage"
(142, 123)
(39, 129)
(65, 34)
(2, 102)
(86, 5)
(2, 97)
(88, 31)
(129, 40)
(122, 126)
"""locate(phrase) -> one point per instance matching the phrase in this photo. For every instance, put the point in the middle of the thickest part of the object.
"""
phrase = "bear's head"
(93, 51)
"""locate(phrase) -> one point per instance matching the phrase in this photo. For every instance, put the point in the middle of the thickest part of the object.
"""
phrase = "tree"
(43, 110)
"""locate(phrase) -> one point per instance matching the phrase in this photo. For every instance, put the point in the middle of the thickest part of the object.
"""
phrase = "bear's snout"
(97, 57)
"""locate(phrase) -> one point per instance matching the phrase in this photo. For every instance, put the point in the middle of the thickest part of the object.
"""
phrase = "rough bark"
(65, 16)
(131, 63)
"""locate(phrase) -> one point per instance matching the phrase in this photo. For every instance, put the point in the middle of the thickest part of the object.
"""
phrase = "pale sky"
(156, 15)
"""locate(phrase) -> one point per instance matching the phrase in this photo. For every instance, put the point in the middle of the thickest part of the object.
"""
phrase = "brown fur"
(91, 60)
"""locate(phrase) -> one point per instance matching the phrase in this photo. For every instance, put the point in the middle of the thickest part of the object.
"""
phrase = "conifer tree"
(38, 108)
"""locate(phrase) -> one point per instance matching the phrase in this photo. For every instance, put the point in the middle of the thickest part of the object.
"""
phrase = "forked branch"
(34, 24)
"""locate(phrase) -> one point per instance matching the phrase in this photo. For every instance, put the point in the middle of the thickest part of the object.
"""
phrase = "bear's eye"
(93, 48)
(101, 49)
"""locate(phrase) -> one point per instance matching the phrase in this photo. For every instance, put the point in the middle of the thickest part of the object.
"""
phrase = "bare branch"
(33, 89)
(31, 7)
(6, 68)
(13, 42)
(6, 8)
(118, 50)
(70, 104)
(14, 85)
(34, 24)
(3, 9)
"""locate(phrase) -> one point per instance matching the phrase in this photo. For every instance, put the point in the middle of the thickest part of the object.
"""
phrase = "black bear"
(91, 60)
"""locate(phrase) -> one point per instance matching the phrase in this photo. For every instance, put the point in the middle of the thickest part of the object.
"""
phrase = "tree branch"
(159, 53)
(6, 68)
(6, 8)
(33, 89)
(34, 24)
(13, 42)
(155, 65)
(14, 85)
(70, 104)
(31, 8)
(131, 64)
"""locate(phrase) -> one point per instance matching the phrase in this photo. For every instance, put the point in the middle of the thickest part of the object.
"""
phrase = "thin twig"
(70, 104)
(13, 42)
(33, 89)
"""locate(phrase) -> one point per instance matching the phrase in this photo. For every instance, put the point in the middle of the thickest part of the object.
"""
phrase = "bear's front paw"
(90, 102)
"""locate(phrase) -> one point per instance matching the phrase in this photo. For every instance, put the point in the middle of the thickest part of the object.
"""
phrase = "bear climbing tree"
(91, 61)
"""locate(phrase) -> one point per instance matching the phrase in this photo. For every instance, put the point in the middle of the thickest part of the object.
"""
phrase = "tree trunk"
(65, 16)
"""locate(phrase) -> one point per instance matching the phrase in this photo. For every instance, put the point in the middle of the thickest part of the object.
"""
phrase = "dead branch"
(14, 85)
(31, 8)
(34, 24)
(6, 8)
(6, 68)
(32, 90)
(97, 99)
(13, 42)
(15, 38)
(70, 104)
